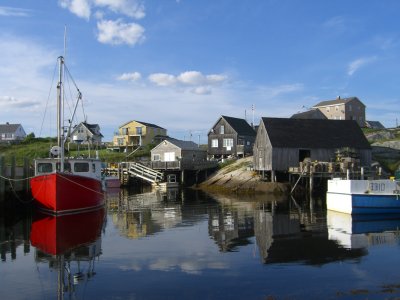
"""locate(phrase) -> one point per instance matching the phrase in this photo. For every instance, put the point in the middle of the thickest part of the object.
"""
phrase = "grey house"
(230, 137)
(283, 143)
(10, 133)
(86, 133)
(182, 153)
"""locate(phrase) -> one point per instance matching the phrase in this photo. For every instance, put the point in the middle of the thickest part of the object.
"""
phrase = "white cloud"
(117, 32)
(202, 90)
(13, 12)
(162, 79)
(191, 78)
(197, 83)
(130, 76)
(81, 8)
(358, 63)
(9, 103)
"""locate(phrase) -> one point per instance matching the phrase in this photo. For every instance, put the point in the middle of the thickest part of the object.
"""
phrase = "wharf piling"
(12, 177)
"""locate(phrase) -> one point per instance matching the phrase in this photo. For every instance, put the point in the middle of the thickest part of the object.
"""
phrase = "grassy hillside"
(35, 148)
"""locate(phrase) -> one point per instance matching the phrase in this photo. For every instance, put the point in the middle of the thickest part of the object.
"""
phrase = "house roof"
(337, 101)
(240, 126)
(9, 128)
(143, 123)
(309, 114)
(315, 133)
(90, 127)
(184, 145)
(374, 124)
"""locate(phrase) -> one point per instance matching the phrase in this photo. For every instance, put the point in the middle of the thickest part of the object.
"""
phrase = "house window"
(214, 143)
(156, 157)
(222, 129)
(120, 142)
(248, 143)
(169, 156)
(138, 130)
(228, 143)
(350, 108)
(125, 131)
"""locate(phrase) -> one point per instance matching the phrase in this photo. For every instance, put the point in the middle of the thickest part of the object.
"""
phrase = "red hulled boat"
(66, 185)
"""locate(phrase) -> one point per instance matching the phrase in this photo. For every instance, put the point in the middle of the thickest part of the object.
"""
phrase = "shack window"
(81, 167)
(44, 168)
(214, 143)
(169, 156)
(222, 129)
(228, 143)
(156, 157)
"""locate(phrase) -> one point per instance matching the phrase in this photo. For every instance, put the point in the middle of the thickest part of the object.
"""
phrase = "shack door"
(304, 153)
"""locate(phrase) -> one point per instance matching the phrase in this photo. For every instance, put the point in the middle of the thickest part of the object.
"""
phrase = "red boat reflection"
(56, 235)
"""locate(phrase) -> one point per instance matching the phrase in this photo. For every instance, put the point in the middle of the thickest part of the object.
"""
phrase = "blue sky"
(181, 64)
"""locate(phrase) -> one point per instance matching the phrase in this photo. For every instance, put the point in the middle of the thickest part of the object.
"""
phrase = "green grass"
(40, 148)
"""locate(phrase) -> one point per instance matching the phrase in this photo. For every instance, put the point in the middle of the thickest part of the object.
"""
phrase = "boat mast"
(60, 129)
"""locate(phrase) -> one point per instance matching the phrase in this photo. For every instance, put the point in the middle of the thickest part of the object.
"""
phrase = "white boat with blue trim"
(362, 196)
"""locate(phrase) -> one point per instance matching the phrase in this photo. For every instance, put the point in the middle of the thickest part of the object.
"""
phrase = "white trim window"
(228, 143)
(214, 143)
(222, 129)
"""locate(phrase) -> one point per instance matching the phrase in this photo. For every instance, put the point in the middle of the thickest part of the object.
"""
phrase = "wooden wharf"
(311, 170)
(156, 172)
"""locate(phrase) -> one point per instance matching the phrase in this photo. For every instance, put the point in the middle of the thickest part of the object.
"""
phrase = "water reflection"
(69, 245)
(199, 242)
(362, 231)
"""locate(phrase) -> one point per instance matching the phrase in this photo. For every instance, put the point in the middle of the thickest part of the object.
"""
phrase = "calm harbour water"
(187, 245)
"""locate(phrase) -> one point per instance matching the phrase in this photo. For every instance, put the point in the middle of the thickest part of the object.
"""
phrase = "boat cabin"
(83, 167)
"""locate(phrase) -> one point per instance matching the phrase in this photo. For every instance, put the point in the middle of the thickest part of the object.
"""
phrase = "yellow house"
(134, 134)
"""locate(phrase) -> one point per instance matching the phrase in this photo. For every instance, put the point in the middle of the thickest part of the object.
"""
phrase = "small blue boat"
(354, 196)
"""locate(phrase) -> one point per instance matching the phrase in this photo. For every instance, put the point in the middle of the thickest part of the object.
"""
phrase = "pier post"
(26, 174)
(2, 173)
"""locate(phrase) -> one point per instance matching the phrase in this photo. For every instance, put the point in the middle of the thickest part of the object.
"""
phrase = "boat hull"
(61, 193)
(363, 196)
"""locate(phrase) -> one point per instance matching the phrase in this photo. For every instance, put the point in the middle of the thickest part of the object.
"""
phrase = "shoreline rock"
(239, 178)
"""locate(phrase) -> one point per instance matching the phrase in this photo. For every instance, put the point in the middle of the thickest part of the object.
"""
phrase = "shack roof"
(315, 133)
(240, 126)
(309, 114)
(183, 145)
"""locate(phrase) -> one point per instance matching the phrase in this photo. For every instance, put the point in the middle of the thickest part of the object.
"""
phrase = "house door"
(169, 156)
